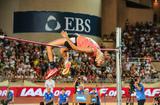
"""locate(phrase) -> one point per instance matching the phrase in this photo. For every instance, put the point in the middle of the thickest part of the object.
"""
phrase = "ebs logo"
(70, 24)
(52, 24)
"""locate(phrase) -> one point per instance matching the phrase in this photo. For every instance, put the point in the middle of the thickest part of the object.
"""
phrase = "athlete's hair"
(100, 55)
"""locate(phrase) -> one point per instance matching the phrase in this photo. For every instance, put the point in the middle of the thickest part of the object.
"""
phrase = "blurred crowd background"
(140, 46)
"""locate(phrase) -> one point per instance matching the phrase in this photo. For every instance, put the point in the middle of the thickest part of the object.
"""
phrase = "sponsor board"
(39, 91)
(55, 21)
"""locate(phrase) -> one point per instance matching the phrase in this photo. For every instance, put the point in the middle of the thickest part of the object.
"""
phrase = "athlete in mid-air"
(73, 42)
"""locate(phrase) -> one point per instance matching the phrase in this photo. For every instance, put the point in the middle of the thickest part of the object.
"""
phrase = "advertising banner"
(53, 21)
(39, 91)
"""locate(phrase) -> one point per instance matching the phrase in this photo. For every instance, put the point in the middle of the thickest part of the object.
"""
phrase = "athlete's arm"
(74, 47)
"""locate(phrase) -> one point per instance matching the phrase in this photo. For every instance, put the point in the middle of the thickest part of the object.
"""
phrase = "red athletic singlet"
(86, 42)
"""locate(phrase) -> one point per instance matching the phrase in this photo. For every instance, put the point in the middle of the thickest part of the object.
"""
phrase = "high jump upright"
(118, 66)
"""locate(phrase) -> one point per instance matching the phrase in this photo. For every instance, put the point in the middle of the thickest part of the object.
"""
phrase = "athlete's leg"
(58, 42)
(64, 53)
(52, 65)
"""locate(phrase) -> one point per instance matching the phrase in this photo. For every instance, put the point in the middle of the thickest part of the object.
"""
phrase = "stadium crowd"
(28, 61)
(142, 40)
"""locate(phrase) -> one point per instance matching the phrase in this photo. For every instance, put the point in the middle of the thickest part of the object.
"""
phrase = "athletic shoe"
(67, 68)
(51, 73)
